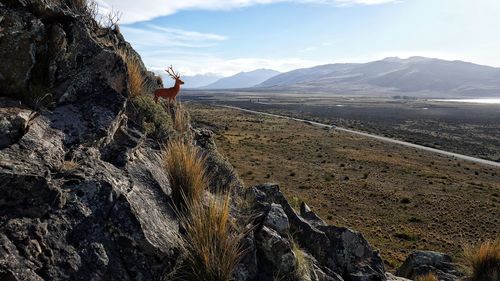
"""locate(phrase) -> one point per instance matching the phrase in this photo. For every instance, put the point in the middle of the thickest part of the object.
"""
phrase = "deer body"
(170, 93)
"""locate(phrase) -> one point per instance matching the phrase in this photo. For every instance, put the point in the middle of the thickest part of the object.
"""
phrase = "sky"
(230, 36)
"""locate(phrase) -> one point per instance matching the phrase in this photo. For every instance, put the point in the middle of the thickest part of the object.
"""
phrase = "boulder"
(276, 252)
(277, 220)
(420, 263)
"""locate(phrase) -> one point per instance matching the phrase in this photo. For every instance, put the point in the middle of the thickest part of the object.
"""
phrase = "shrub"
(212, 245)
(405, 200)
(485, 261)
(406, 236)
(153, 117)
(428, 277)
(186, 172)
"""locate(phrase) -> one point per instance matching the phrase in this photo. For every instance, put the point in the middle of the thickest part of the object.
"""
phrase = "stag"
(170, 93)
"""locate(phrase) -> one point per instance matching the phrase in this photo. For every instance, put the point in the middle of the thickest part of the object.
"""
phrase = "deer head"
(174, 75)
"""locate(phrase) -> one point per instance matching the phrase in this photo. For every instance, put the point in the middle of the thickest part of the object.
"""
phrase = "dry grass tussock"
(70, 165)
(302, 264)
(185, 168)
(485, 261)
(212, 244)
(181, 119)
(428, 277)
(137, 83)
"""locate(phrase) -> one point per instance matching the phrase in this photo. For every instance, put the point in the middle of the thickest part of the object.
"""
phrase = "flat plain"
(400, 198)
(469, 129)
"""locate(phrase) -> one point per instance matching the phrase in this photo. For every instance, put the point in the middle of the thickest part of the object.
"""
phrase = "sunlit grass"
(485, 261)
(212, 245)
(185, 167)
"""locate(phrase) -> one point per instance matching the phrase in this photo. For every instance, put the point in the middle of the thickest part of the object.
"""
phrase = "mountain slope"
(243, 79)
(197, 81)
(413, 76)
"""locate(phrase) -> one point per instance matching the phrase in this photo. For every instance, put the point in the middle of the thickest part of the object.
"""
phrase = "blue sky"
(229, 36)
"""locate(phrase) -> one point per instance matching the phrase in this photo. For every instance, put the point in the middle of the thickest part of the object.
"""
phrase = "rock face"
(13, 122)
(83, 191)
(421, 263)
(68, 210)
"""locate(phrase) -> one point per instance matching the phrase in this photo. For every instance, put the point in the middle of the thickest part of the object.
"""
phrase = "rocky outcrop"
(337, 253)
(84, 196)
(421, 263)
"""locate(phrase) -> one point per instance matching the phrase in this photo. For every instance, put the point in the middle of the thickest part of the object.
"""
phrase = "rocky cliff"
(84, 195)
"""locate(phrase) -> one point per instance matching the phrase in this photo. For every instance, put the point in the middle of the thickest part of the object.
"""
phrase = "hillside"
(416, 76)
(243, 79)
(392, 193)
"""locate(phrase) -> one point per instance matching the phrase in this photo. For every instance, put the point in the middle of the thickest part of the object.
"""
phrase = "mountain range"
(195, 81)
(417, 76)
(243, 79)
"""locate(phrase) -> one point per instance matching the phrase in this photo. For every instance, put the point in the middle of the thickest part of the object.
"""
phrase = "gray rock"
(421, 263)
(276, 250)
(310, 216)
(337, 249)
(110, 218)
(391, 277)
(13, 122)
(248, 267)
(276, 219)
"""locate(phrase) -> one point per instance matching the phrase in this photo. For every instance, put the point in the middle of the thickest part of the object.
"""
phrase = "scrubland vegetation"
(400, 199)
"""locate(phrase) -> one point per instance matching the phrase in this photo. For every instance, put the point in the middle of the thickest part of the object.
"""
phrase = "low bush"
(156, 121)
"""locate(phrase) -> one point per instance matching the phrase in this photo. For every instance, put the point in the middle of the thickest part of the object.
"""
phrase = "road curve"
(386, 139)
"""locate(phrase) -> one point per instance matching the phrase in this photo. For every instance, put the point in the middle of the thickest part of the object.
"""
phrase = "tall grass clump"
(485, 261)
(137, 83)
(185, 168)
(302, 264)
(212, 244)
(428, 277)
(181, 119)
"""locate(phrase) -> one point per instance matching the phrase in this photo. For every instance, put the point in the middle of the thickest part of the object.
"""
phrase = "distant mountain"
(416, 76)
(195, 81)
(243, 79)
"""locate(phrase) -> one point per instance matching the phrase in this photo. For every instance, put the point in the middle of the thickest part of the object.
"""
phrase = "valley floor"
(400, 198)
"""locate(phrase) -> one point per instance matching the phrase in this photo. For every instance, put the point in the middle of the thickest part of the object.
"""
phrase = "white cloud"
(137, 11)
(162, 37)
(192, 63)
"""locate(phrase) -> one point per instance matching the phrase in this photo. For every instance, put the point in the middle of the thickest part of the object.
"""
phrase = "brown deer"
(170, 93)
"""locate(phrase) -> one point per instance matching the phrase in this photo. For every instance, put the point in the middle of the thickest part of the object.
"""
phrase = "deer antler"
(172, 73)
